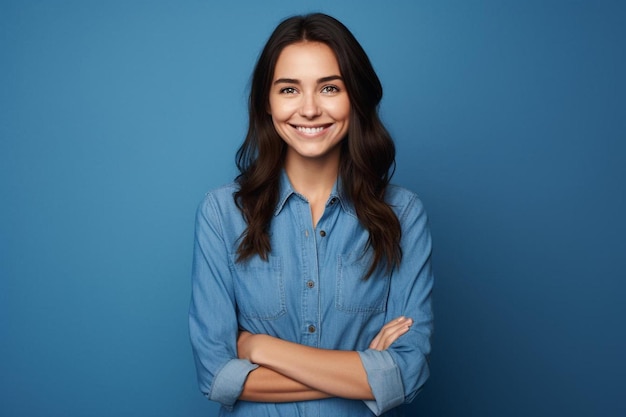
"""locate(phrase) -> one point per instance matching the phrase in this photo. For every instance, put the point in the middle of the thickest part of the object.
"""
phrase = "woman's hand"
(391, 332)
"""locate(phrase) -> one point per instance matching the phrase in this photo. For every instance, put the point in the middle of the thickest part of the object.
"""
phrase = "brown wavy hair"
(367, 153)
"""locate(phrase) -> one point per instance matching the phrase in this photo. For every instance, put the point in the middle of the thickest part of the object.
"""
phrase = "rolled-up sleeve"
(397, 374)
(384, 379)
(228, 382)
(213, 324)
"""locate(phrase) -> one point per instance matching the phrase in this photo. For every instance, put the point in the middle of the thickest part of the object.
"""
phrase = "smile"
(311, 130)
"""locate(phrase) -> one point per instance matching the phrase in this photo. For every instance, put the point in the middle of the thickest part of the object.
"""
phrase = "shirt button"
(311, 329)
(333, 201)
(310, 284)
(322, 233)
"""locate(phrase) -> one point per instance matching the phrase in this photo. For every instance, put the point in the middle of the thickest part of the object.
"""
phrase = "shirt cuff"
(384, 379)
(228, 382)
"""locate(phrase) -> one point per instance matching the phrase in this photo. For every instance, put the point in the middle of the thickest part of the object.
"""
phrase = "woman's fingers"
(390, 332)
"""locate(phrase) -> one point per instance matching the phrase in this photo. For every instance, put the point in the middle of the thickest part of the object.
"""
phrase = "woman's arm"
(266, 385)
(339, 373)
(213, 326)
(397, 374)
(294, 372)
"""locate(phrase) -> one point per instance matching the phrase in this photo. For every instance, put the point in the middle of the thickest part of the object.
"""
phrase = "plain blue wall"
(116, 117)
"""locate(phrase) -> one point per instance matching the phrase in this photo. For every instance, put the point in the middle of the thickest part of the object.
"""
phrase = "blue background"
(117, 116)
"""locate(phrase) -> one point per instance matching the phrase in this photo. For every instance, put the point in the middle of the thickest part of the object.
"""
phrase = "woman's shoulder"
(223, 191)
(218, 207)
(397, 195)
(404, 201)
(221, 198)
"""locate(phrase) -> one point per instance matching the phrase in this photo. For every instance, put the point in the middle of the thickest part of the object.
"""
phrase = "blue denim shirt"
(311, 291)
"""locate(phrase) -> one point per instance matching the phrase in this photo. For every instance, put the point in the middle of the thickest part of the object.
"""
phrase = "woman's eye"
(288, 90)
(330, 89)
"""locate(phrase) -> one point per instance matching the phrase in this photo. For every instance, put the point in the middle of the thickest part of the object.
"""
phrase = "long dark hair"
(367, 153)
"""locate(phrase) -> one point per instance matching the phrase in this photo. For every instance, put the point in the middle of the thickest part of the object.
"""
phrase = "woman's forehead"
(306, 60)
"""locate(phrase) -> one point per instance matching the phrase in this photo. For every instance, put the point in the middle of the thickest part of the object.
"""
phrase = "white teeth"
(309, 130)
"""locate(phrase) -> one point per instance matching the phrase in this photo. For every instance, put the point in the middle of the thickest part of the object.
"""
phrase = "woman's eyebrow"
(319, 81)
(329, 78)
(286, 81)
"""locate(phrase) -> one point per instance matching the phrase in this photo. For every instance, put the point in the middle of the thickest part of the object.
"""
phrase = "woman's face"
(308, 102)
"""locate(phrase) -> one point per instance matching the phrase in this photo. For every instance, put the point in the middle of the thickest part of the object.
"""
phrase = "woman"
(311, 274)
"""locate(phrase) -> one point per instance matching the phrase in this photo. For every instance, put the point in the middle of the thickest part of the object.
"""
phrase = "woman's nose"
(310, 107)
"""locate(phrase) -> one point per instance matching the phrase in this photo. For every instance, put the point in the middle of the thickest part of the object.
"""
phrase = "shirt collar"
(336, 195)
(285, 191)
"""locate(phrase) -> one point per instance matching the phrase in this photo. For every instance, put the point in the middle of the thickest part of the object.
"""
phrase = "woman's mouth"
(311, 130)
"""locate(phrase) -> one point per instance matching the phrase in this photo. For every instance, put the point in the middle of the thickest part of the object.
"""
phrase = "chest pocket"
(259, 287)
(355, 295)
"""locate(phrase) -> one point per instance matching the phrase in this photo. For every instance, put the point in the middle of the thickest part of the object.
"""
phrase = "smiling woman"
(302, 302)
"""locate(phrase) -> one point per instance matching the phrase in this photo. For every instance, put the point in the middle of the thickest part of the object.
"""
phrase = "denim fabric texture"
(310, 291)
